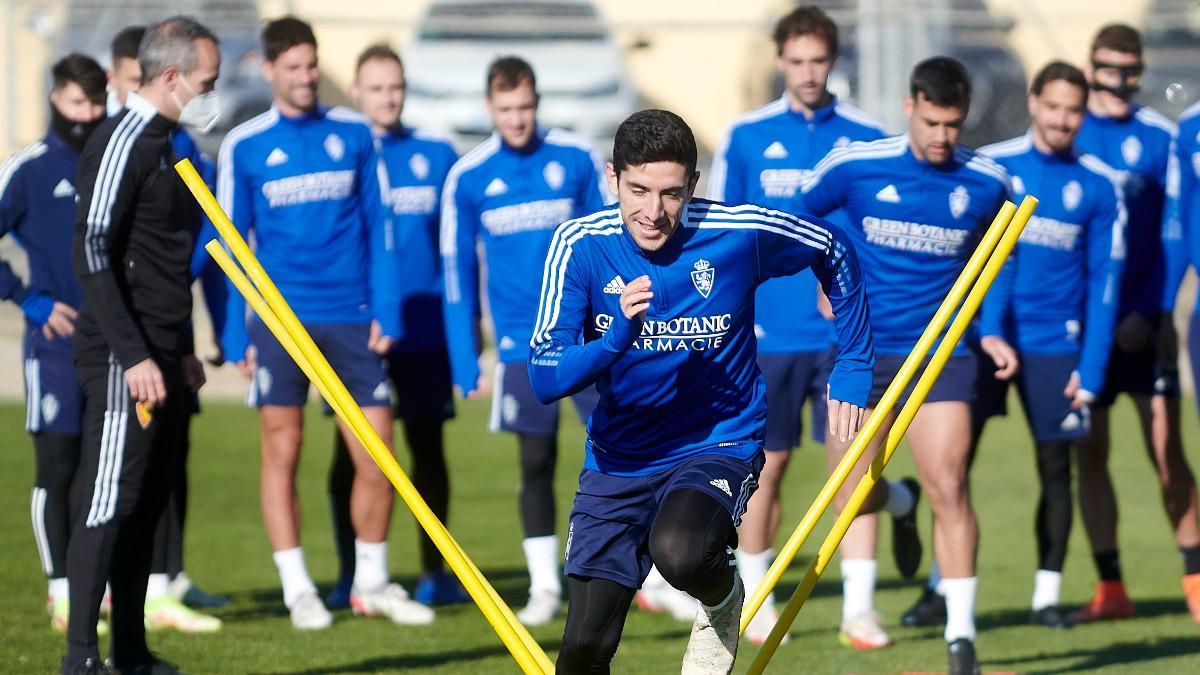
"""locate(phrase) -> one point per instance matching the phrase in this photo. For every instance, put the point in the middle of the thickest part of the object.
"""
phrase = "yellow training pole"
(865, 435)
(961, 322)
(528, 655)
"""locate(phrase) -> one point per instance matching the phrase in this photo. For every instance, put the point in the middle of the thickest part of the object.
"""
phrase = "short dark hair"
(171, 43)
(1055, 71)
(943, 81)
(125, 44)
(508, 72)
(83, 71)
(654, 136)
(282, 34)
(381, 52)
(806, 20)
(1118, 37)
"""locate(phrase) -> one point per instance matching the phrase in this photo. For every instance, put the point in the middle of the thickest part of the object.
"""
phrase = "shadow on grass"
(1141, 653)
(410, 662)
(1146, 609)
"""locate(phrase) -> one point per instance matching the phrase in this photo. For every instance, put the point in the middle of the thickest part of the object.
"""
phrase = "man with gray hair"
(133, 340)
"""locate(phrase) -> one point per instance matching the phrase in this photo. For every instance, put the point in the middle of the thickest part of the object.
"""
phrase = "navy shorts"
(421, 383)
(515, 408)
(955, 383)
(791, 378)
(609, 534)
(1041, 382)
(53, 394)
(991, 394)
(1137, 373)
(279, 381)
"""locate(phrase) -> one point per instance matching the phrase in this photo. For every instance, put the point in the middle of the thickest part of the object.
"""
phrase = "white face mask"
(202, 112)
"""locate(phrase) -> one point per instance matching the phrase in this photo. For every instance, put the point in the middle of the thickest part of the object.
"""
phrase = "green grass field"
(227, 553)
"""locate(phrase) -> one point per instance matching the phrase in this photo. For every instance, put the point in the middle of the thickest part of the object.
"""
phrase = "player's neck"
(1040, 144)
(288, 110)
(797, 106)
(157, 96)
(1100, 108)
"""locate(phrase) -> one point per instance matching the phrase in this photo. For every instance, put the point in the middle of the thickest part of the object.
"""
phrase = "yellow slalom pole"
(945, 349)
(865, 435)
(525, 650)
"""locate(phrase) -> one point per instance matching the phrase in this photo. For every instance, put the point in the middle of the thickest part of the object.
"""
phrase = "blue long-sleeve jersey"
(914, 224)
(511, 200)
(1140, 147)
(1187, 160)
(309, 188)
(762, 161)
(1058, 291)
(685, 381)
(37, 206)
(416, 167)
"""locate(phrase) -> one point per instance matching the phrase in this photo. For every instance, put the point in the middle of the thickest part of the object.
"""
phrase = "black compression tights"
(1053, 522)
(539, 454)
(689, 542)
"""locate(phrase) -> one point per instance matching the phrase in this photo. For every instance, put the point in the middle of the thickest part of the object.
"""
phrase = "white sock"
(1046, 585)
(858, 587)
(935, 579)
(293, 574)
(900, 499)
(59, 589)
(654, 580)
(753, 569)
(157, 586)
(541, 557)
(960, 608)
(370, 565)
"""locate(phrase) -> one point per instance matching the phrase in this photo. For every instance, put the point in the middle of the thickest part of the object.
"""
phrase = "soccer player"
(170, 591)
(418, 365)
(1187, 154)
(674, 447)
(37, 206)
(133, 343)
(1056, 301)
(1137, 141)
(301, 163)
(917, 204)
(762, 161)
(510, 192)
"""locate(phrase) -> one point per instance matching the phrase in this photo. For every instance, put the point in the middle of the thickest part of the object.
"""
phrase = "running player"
(675, 445)
(303, 163)
(1056, 301)
(510, 192)
(416, 167)
(917, 204)
(1137, 141)
(37, 206)
(762, 161)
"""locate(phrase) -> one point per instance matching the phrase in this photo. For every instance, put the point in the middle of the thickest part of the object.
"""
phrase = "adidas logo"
(496, 187)
(1071, 423)
(722, 485)
(775, 151)
(616, 286)
(888, 194)
(64, 189)
(276, 157)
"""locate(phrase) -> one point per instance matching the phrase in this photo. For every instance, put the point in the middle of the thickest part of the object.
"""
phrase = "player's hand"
(247, 365)
(61, 322)
(1002, 354)
(635, 299)
(1133, 333)
(483, 389)
(193, 373)
(145, 383)
(1079, 396)
(823, 305)
(378, 342)
(845, 419)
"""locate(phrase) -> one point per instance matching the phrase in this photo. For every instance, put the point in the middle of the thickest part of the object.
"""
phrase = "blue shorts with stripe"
(516, 408)
(1040, 383)
(53, 393)
(609, 535)
(279, 381)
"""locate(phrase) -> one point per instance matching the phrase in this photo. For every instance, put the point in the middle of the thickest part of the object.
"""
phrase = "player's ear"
(909, 105)
(611, 172)
(692, 183)
(1032, 102)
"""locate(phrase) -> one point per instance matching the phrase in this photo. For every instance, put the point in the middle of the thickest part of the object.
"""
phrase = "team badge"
(1018, 185)
(960, 199)
(554, 173)
(419, 165)
(1131, 150)
(703, 274)
(50, 408)
(335, 147)
(1072, 193)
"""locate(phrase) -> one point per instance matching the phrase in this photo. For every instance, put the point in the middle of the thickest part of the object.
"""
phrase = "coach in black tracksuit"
(133, 342)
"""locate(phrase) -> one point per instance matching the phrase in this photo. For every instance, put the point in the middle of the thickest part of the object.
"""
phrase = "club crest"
(1131, 150)
(1018, 185)
(50, 408)
(419, 165)
(1072, 194)
(335, 147)
(703, 274)
(554, 174)
(960, 199)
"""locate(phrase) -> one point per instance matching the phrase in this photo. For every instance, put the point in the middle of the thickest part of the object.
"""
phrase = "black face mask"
(1129, 77)
(74, 133)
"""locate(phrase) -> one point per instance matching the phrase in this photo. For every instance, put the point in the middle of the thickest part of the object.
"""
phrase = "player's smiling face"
(294, 78)
(1057, 113)
(805, 62)
(652, 199)
(514, 113)
(933, 130)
